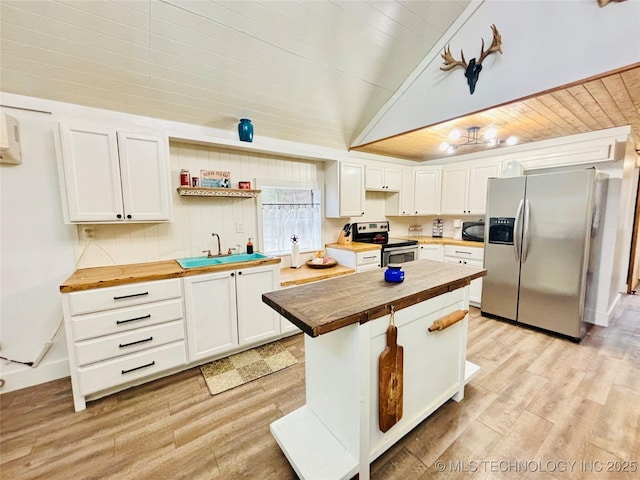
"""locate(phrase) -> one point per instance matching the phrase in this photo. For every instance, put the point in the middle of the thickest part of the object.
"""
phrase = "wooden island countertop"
(326, 306)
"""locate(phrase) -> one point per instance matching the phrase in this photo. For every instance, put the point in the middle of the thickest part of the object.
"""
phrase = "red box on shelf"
(244, 185)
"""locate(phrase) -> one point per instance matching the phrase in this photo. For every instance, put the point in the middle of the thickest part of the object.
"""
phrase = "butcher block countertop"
(322, 307)
(305, 274)
(354, 246)
(114, 275)
(445, 241)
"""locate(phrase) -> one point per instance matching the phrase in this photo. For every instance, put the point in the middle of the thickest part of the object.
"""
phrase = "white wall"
(37, 254)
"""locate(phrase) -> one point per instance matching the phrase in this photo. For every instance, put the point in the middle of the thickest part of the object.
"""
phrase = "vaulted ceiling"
(307, 71)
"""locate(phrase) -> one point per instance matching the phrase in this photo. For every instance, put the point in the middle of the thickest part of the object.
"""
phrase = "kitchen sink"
(195, 262)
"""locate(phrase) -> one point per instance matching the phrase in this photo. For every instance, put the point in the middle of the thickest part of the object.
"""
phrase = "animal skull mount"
(473, 68)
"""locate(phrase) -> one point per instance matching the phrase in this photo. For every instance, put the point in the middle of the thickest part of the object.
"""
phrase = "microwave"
(473, 231)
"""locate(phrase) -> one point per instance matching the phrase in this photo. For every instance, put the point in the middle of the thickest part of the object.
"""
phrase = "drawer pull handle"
(118, 322)
(367, 258)
(122, 345)
(132, 295)
(463, 253)
(138, 368)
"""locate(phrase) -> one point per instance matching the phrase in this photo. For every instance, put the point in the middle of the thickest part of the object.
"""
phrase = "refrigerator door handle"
(525, 235)
(518, 231)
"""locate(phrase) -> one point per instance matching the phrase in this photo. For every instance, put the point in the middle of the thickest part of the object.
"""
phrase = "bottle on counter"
(185, 178)
(249, 246)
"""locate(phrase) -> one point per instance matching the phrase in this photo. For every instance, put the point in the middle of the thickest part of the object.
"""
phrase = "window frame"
(260, 183)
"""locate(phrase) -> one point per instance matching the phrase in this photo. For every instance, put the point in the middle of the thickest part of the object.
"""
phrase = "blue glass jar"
(394, 273)
(245, 130)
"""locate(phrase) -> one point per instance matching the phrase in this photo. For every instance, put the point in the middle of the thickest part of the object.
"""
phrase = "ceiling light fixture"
(490, 139)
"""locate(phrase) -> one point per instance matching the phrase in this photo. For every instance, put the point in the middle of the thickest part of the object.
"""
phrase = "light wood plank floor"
(537, 402)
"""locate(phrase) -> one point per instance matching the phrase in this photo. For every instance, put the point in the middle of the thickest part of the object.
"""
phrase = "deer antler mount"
(473, 68)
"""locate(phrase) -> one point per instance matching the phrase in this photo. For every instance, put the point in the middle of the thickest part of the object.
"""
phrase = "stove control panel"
(373, 227)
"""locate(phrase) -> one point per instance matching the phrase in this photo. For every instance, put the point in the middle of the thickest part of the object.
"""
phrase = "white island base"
(336, 435)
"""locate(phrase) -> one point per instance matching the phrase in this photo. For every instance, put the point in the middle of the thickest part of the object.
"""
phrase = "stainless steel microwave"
(473, 231)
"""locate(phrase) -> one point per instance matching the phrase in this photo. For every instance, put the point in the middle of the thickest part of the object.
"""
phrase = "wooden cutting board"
(390, 378)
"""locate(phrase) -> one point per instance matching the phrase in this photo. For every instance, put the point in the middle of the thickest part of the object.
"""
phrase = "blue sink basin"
(195, 262)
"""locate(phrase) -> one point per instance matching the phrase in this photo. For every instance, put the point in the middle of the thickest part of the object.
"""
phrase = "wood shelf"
(217, 192)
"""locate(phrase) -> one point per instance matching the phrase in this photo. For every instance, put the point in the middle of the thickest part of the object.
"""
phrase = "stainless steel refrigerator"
(542, 238)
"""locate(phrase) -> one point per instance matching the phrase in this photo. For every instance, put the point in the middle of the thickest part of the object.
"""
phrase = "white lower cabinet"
(473, 257)
(120, 336)
(225, 311)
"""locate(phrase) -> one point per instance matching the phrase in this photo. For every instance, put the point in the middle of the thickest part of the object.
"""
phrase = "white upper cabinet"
(113, 177)
(401, 203)
(426, 193)
(344, 190)
(478, 177)
(383, 178)
(464, 187)
(455, 187)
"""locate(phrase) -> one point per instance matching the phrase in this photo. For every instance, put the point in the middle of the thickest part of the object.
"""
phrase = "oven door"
(399, 255)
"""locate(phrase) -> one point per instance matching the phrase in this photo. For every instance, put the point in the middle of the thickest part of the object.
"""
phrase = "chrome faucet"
(219, 248)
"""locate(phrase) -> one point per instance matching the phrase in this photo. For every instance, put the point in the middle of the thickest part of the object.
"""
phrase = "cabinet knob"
(233, 274)
(128, 216)
(239, 273)
(118, 216)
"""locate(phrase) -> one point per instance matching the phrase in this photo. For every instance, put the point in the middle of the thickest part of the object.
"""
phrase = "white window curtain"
(289, 211)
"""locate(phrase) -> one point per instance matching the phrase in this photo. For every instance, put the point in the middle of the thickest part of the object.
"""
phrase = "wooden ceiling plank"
(551, 116)
(631, 80)
(586, 101)
(601, 95)
(553, 102)
(618, 91)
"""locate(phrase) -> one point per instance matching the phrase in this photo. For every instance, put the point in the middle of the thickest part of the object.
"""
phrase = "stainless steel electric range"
(394, 250)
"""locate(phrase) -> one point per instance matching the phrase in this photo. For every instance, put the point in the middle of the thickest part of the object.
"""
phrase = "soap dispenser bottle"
(249, 246)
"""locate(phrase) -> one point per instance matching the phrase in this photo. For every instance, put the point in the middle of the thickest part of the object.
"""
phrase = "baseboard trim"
(27, 377)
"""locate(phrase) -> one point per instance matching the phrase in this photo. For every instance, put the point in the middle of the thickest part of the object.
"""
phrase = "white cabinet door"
(113, 177)
(381, 178)
(344, 189)
(256, 320)
(91, 174)
(432, 252)
(210, 311)
(455, 187)
(144, 163)
(427, 191)
(475, 289)
(392, 179)
(401, 202)
(478, 176)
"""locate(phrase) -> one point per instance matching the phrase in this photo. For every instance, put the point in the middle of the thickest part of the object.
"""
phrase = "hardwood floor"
(538, 404)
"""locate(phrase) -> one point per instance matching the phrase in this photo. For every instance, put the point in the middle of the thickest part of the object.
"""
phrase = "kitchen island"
(336, 434)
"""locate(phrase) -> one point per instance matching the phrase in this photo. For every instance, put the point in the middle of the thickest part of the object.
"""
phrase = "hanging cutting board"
(390, 378)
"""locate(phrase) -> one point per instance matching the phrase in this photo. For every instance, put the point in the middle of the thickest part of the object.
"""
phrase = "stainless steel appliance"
(394, 250)
(473, 231)
(541, 233)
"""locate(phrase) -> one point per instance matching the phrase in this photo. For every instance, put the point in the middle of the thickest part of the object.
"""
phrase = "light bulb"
(492, 142)
(512, 140)
(454, 135)
(490, 133)
(451, 149)
(444, 146)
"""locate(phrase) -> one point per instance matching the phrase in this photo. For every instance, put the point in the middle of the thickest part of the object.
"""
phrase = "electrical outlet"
(239, 227)
(89, 233)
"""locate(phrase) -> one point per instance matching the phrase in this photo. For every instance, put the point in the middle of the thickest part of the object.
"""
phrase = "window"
(290, 210)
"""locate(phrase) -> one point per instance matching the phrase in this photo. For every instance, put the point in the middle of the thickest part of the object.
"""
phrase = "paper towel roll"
(295, 255)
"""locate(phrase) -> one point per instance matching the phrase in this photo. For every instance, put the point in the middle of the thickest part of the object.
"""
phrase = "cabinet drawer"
(124, 319)
(123, 296)
(121, 370)
(111, 346)
(365, 258)
(464, 252)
